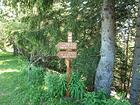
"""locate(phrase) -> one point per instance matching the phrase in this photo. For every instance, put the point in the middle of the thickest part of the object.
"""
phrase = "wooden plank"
(65, 46)
(68, 72)
(66, 54)
(70, 37)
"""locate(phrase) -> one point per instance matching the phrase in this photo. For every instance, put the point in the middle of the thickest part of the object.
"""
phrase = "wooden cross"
(68, 53)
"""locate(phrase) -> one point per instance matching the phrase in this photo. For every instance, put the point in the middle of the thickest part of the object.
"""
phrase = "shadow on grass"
(10, 68)
(6, 86)
(8, 61)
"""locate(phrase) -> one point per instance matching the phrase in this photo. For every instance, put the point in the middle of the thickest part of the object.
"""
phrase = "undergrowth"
(38, 87)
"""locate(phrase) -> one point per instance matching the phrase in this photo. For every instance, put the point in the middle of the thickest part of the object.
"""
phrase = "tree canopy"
(104, 30)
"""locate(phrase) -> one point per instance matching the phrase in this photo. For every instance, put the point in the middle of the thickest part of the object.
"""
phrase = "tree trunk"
(103, 79)
(15, 49)
(135, 83)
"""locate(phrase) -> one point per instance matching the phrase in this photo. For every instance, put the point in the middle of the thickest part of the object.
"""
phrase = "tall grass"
(36, 86)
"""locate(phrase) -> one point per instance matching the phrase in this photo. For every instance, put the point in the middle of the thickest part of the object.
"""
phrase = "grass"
(10, 67)
(21, 87)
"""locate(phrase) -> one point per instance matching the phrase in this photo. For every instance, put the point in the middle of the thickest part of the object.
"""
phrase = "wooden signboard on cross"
(67, 50)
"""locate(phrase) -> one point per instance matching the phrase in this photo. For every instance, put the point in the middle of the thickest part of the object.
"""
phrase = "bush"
(36, 76)
(28, 89)
(113, 101)
(34, 87)
(77, 86)
(56, 84)
(99, 98)
(93, 98)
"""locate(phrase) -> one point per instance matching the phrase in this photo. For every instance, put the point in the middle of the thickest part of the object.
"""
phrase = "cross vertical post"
(68, 51)
(68, 64)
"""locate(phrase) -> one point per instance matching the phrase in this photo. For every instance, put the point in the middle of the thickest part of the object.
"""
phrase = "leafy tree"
(46, 25)
(135, 85)
(125, 34)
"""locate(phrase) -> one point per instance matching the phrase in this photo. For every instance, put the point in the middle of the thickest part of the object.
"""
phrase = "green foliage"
(86, 63)
(56, 84)
(92, 98)
(69, 101)
(76, 86)
(61, 101)
(99, 98)
(27, 95)
(39, 33)
(36, 87)
(36, 34)
(36, 76)
(125, 10)
(28, 89)
(113, 101)
(10, 68)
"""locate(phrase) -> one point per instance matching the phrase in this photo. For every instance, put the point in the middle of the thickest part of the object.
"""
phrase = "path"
(9, 68)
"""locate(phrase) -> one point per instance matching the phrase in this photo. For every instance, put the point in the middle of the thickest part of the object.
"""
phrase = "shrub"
(56, 84)
(28, 89)
(77, 86)
(36, 76)
(93, 98)
(99, 98)
(113, 101)
(34, 87)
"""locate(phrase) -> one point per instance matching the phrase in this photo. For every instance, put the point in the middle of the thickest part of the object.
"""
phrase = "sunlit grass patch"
(7, 71)
(10, 67)
(8, 61)
(6, 87)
